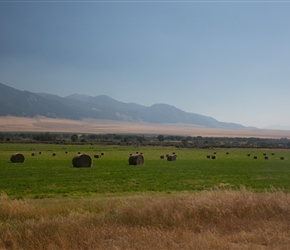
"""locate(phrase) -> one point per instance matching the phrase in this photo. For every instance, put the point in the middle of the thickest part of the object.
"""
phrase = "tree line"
(144, 140)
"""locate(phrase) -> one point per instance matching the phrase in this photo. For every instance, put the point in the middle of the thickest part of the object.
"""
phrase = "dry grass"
(210, 220)
(44, 124)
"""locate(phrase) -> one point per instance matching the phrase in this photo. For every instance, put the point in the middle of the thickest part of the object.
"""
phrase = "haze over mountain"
(278, 127)
(15, 102)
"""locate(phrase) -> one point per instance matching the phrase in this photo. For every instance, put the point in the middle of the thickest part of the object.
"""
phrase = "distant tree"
(189, 138)
(184, 143)
(93, 137)
(44, 137)
(74, 137)
(140, 139)
(160, 138)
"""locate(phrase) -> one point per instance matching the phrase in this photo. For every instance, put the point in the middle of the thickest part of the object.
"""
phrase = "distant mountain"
(27, 104)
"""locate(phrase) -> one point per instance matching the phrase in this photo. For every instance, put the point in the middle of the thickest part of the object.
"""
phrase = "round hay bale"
(282, 158)
(248, 154)
(40, 152)
(53, 154)
(161, 156)
(208, 156)
(255, 157)
(97, 156)
(82, 161)
(102, 153)
(266, 157)
(213, 157)
(171, 157)
(273, 153)
(136, 159)
(17, 158)
(66, 152)
(227, 153)
(33, 154)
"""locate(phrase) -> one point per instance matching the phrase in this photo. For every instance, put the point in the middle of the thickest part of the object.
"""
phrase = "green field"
(45, 176)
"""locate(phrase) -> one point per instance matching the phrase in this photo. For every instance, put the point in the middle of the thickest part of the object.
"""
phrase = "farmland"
(195, 202)
(43, 175)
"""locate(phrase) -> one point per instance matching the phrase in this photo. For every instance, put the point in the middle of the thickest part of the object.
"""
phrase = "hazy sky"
(226, 59)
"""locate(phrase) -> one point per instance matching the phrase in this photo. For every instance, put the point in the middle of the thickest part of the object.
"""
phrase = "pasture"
(195, 202)
(43, 175)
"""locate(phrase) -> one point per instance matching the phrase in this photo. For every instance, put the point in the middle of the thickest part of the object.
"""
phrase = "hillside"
(19, 103)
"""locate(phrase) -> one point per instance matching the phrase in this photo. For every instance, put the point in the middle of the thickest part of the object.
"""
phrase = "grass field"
(44, 175)
(232, 202)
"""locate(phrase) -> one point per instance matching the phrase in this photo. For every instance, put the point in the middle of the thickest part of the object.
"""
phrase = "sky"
(229, 60)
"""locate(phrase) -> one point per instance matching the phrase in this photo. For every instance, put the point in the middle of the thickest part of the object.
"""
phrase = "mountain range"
(19, 103)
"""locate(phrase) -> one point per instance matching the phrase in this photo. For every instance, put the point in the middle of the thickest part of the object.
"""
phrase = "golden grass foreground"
(217, 219)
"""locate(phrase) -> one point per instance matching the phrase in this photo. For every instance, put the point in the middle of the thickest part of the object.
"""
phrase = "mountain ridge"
(77, 106)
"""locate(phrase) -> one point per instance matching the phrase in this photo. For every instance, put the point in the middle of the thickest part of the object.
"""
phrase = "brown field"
(217, 219)
(43, 124)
